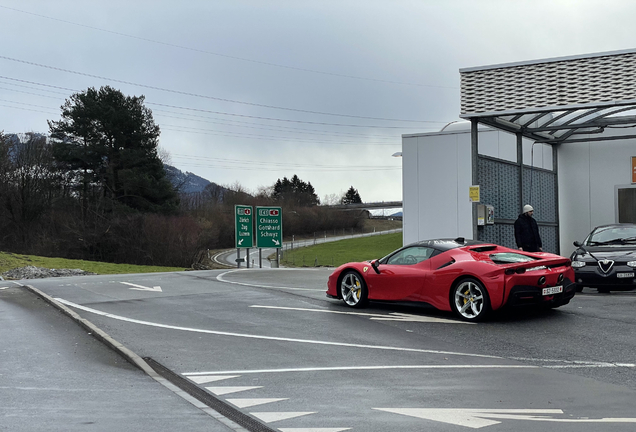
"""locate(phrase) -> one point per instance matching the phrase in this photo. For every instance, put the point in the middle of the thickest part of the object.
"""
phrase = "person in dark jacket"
(527, 231)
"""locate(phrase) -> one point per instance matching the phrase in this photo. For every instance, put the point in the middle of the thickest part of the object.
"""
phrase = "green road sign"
(244, 226)
(269, 227)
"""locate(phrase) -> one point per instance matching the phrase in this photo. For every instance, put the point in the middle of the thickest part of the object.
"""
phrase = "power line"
(209, 97)
(281, 129)
(282, 164)
(176, 128)
(228, 56)
(248, 116)
(294, 121)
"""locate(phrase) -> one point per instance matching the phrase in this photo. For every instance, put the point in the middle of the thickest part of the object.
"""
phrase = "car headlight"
(631, 264)
(579, 264)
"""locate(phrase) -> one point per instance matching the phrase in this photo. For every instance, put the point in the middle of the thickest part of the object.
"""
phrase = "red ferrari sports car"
(468, 277)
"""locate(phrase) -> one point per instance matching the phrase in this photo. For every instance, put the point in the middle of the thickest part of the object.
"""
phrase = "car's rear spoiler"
(539, 263)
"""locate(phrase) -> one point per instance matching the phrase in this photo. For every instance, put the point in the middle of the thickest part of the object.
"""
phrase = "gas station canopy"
(555, 100)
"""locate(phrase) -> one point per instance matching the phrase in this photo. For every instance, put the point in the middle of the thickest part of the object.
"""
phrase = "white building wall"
(437, 172)
(588, 175)
(436, 177)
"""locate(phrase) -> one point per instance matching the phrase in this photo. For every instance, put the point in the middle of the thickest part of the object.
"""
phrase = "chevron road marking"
(269, 417)
(246, 403)
(227, 390)
(479, 418)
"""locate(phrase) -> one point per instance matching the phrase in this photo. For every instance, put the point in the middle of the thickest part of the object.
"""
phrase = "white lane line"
(573, 363)
(269, 417)
(360, 368)
(246, 403)
(393, 316)
(219, 391)
(220, 278)
(273, 338)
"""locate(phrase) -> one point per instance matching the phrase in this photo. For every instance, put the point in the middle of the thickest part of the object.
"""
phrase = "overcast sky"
(252, 91)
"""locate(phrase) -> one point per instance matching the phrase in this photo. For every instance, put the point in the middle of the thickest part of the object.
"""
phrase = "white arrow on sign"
(478, 418)
(143, 288)
(276, 242)
(240, 242)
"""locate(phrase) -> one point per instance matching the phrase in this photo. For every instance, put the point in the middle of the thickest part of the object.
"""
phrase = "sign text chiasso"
(269, 227)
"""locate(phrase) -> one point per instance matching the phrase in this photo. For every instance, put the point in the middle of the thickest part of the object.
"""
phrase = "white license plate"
(624, 275)
(552, 290)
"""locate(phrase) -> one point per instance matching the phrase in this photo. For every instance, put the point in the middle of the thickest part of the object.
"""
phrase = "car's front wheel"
(470, 300)
(353, 289)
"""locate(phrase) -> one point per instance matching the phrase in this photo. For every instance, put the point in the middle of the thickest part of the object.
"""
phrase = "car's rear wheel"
(470, 300)
(353, 289)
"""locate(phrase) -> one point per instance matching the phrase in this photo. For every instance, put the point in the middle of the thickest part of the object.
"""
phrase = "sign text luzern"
(244, 226)
(269, 227)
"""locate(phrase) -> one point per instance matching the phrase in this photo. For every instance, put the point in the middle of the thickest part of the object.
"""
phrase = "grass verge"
(343, 251)
(9, 261)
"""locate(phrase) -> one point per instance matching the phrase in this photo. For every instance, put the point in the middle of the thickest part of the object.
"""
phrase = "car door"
(402, 275)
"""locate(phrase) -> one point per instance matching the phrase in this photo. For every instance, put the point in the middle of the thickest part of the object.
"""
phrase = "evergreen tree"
(109, 142)
(351, 197)
(294, 192)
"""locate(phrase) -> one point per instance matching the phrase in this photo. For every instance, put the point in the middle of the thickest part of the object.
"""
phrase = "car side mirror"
(577, 244)
(375, 264)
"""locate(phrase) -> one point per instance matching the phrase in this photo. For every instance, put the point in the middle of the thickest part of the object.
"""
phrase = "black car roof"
(446, 244)
(615, 225)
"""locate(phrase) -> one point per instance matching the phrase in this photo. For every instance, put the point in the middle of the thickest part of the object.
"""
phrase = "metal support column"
(474, 150)
(555, 167)
(520, 163)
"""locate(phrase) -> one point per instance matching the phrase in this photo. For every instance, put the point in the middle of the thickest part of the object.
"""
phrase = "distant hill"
(186, 182)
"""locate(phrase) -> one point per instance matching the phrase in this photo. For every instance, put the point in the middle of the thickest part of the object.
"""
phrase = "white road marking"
(361, 368)
(313, 429)
(246, 403)
(274, 338)
(393, 316)
(478, 418)
(3, 288)
(227, 390)
(573, 363)
(142, 288)
(207, 379)
(269, 417)
(221, 279)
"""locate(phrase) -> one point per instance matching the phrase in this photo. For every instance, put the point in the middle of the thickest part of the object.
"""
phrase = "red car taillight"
(512, 271)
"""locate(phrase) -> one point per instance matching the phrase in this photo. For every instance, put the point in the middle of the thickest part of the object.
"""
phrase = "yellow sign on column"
(473, 194)
(633, 169)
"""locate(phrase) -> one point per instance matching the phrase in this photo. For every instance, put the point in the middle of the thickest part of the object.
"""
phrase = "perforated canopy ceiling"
(554, 100)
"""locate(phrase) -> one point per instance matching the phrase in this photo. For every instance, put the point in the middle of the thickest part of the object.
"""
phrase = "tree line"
(95, 188)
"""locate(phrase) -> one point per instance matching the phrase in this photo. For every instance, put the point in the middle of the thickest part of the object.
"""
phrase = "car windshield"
(510, 258)
(612, 235)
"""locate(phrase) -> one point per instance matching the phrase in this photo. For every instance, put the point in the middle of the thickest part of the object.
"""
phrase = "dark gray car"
(606, 259)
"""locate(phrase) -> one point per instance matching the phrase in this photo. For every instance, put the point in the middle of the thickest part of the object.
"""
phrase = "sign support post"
(243, 229)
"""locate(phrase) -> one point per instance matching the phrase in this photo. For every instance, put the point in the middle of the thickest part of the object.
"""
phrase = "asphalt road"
(270, 344)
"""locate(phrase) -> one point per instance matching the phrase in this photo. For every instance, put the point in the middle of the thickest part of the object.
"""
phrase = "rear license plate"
(552, 290)
(624, 275)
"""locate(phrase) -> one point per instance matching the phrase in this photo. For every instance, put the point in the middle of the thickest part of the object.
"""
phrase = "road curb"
(131, 357)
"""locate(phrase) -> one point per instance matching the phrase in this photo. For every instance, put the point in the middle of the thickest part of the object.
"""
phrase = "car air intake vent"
(484, 248)
(452, 261)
